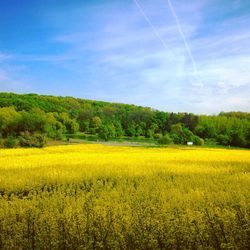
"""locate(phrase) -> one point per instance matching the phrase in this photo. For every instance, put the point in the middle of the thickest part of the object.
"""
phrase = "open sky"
(174, 55)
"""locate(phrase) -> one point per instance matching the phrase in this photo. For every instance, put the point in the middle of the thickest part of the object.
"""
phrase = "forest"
(30, 120)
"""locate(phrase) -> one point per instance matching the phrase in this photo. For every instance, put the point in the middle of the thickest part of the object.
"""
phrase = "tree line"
(31, 119)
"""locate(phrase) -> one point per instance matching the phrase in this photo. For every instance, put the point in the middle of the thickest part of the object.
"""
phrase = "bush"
(10, 142)
(157, 136)
(177, 139)
(210, 142)
(223, 140)
(165, 139)
(28, 139)
(106, 132)
(149, 133)
(198, 141)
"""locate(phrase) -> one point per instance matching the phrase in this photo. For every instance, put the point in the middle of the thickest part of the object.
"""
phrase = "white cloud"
(114, 55)
(198, 84)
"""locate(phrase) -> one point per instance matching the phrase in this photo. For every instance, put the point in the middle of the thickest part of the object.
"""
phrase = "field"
(111, 197)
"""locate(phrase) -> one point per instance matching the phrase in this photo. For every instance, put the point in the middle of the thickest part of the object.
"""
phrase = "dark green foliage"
(10, 142)
(165, 139)
(190, 121)
(180, 134)
(223, 140)
(131, 130)
(33, 121)
(197, 140)
(106, 131)
(149, 133)
(225, 129)
(54, 116)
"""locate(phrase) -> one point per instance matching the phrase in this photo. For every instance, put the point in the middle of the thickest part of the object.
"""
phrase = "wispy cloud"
(183, 36)
(111, 51)
(4, 57)
(169, 72)
(46, 58)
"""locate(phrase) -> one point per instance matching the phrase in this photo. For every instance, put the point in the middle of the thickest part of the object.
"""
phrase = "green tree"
(9, 121)
(106, 131)
(10, 142)
(96, 122)
(223, 140)
(197, 140)
(131, 131)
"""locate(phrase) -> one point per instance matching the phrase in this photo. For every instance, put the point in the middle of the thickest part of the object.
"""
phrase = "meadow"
(113, 197)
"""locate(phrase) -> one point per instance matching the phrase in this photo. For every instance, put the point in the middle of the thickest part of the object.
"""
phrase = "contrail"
(184, 39)
(157, 34)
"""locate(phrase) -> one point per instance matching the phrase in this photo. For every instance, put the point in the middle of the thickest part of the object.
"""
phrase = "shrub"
(210, 141)
(157, 136)
(223, 140)
(149, 133)
(198, 141)
(106, 131)
(177, 139)
(165, 139)
(28, 139)
(10, 142)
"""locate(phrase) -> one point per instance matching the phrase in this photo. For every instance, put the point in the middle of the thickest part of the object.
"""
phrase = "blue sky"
(194, 57)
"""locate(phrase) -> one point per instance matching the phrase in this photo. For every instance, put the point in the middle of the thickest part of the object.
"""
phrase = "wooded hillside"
(28, 119)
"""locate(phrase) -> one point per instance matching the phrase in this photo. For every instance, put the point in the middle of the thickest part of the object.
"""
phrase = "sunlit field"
(110, 197)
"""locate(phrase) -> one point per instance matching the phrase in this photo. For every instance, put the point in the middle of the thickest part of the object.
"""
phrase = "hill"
(28, 119)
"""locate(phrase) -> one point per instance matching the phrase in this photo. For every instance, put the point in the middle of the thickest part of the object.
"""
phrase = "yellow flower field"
(109, 197)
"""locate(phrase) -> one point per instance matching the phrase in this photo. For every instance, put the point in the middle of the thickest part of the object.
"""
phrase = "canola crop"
(109, 197)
